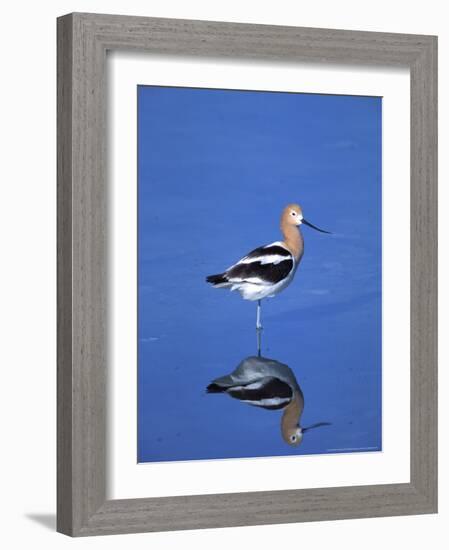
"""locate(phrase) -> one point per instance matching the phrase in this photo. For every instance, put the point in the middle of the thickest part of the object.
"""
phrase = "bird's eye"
(293, 213)
(293, 438)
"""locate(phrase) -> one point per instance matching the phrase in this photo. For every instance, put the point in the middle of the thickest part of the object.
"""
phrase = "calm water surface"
(215, 169)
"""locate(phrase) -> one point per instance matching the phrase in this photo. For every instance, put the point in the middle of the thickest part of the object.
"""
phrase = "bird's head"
(293, 436)
(292, 215)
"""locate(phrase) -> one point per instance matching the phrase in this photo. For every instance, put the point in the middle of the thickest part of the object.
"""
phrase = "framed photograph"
(247, 283)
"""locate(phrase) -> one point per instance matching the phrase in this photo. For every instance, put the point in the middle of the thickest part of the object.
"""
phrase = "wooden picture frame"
(83, 40)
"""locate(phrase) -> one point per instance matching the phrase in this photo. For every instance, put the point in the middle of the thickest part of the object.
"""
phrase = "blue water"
(216, 167)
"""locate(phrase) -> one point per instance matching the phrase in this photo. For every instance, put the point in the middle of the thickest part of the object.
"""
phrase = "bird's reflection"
(269, 384)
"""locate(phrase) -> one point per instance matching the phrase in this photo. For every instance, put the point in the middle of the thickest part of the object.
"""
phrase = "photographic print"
(259, 274)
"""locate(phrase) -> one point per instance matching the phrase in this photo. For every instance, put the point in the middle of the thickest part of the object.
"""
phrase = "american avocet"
(269, 384)
(267, 270)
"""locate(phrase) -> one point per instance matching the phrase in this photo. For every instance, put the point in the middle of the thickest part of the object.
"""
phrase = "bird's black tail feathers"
(218, 279)
(215, 388)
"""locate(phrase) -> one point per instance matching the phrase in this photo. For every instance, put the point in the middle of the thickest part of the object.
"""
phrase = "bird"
(269, 269)
(271, 385)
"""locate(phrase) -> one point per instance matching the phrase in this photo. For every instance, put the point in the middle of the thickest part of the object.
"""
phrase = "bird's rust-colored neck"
(290, 418)
(293, 239)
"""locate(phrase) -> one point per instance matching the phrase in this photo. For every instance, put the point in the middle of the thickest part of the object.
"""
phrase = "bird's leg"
(258, 317)
(259, 328)
(259, 342)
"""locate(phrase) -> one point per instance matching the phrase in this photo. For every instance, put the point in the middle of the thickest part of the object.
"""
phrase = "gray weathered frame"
(83, 40)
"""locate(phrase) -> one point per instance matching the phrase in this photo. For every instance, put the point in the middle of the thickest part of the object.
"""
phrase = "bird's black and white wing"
(266, 265)
(268, 392)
